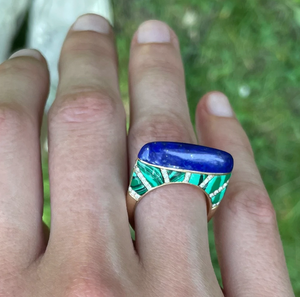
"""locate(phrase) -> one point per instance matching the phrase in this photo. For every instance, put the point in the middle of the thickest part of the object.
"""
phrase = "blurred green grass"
(248, 50)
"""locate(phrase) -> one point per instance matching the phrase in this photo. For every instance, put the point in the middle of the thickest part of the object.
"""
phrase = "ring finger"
(171, 222)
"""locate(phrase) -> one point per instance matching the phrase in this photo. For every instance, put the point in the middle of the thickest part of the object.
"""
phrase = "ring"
(166, 163)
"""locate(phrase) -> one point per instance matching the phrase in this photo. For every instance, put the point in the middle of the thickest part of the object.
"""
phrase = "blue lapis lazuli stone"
(186, 156)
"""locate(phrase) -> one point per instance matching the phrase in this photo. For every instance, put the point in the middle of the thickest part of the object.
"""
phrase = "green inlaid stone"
(194, 179)
(227, 177)
(137, 185)
(176, 176)
(222, 179)
(217, 182)
(202, 178)
(218, 197)
(152, 174)
(215, 199)
(197, 178)
(222, 194)
(213, 184)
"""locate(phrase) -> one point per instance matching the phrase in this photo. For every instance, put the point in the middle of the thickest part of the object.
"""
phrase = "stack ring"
(167, 163)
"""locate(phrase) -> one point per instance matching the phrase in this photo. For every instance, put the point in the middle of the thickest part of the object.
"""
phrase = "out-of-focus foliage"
(250, 51)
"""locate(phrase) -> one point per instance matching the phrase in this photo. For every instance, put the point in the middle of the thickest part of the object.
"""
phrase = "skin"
(90, 252)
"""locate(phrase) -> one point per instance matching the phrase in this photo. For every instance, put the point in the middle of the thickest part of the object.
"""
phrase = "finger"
(87, 149)
(24, 87)
(170, 222)
(247, 238)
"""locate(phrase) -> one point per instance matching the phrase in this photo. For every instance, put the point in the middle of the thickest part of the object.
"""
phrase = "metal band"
(147, 177)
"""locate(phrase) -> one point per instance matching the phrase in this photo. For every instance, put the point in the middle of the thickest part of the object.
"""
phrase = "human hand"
(90, 252)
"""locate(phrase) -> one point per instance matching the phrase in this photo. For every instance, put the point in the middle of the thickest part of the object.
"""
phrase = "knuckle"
(29, 68)
(240, 144)
(84, 107)
(164, 76)
(11, 281)
(157, 63)
(13, 121)
(163, 88)
(88, 42)
(89, 285)
(160, 128)
(86, 288)
(255, 204)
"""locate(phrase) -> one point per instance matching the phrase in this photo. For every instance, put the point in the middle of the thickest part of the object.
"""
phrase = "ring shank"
(132, 204)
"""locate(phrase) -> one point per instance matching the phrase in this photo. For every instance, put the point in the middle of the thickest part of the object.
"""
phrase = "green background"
(250, 51)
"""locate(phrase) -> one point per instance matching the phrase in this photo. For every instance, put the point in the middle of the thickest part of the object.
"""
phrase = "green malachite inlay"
(152, 174)
(222, 194)
(213, 185)
(196, 178)
(176, 176)
(227, 177)
(137, 185)
(154, 177)
(218, 197)
(222, 179)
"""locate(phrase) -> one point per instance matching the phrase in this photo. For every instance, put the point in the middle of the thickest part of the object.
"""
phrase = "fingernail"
(91, 22)
(218, 105)
(153, 32)
(27, 53)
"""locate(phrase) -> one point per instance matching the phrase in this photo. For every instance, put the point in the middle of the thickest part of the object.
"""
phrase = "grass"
(248, 50)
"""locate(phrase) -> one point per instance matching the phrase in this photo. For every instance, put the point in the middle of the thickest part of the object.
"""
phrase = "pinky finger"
(247, 238)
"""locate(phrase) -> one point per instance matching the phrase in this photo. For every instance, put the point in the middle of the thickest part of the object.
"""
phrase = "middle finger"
(87, 150)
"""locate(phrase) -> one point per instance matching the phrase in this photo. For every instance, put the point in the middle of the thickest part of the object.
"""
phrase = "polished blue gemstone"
(186, 156)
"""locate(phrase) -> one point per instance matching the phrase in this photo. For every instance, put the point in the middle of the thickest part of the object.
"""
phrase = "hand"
(90, 252)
